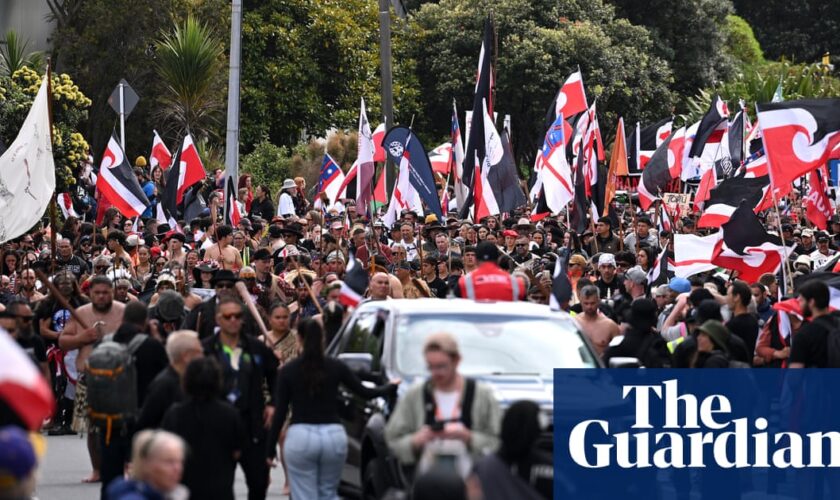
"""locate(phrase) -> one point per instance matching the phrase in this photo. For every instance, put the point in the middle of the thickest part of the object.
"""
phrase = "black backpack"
(111, 381)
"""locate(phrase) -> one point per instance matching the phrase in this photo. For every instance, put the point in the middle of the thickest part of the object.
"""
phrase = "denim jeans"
(315, 456)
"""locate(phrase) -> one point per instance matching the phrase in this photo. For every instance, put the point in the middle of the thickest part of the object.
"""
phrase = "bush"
(268, 164)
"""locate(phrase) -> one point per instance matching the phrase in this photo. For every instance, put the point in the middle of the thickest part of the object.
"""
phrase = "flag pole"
(786, 277)
(53, 221)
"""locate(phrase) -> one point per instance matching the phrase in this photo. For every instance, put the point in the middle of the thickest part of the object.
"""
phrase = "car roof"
(453, 305)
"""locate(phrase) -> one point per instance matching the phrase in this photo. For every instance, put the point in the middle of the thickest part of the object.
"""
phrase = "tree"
(539, 44)
(102, 41)
(13, 55)
(306, 64)
(757, 85)
(69, 108)
(741, 43)
(798, 31)
(190, 63)
(689, 34)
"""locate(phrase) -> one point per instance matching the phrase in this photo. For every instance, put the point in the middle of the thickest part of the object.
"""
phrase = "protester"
(447, 410)
(316, 443)
(157, 463)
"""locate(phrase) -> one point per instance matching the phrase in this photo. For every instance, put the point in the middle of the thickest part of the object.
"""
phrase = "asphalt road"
(66, 462)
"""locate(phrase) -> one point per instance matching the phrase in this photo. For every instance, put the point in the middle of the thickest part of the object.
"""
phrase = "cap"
(335, 256)
(486, 251)
(717, 332)
(170, 305)
(606, 259)
(636, 275)
(510, 232)
(804, 260)
(337, 225)
(578, 259)
(679, 285)
(17, 455)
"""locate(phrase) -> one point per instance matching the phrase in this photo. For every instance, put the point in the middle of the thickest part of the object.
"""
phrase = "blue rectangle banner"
(697, 434)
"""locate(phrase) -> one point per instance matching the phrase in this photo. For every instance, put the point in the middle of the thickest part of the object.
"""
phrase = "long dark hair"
(312, 337)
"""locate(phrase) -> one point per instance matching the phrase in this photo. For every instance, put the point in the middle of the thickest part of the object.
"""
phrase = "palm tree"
(13, 55)
(189, 60)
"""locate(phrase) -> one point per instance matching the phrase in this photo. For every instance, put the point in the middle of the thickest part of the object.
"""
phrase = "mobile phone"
(437, 426)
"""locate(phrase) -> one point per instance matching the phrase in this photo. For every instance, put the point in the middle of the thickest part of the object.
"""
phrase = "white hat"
(288, 184)
(606, 259)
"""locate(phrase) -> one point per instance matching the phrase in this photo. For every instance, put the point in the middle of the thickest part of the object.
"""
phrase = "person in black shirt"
(17, 320)
(248, 365)
(428, 269)
(743, 323)
(182, 347)
(810, 344)
(262, 206)
(316, 443)
(211, 427)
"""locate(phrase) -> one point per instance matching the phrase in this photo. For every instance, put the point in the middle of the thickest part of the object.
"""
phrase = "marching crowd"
(227, 327)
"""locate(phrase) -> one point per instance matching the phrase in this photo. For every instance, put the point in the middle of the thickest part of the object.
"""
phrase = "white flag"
(27, 172)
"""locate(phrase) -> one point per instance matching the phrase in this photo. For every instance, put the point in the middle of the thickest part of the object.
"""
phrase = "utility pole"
(387, 91)
(232, 137)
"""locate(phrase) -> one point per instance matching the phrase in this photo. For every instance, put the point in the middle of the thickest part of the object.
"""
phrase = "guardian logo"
(691, 429)
(697, 433)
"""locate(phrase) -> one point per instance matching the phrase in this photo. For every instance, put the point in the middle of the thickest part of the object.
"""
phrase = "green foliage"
(190, 63)
(69, 108)
(101, 41)
(268, 164)
(13, 55)
(306, 63)
(798, 31)
(689, 34)
(539, 44)
(741, 42)
(757, 85)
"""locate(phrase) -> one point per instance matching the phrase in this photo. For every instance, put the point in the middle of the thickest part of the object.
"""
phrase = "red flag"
(160, 154)
(378, 150)
(799, 136)
(22, 387)
(192, 170)
(818, 208)
(231, 206)
(571, 99)
(379, 196)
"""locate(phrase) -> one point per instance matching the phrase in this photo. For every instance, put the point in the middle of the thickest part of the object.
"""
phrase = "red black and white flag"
(725, 198)
(190, 168)
(662, 269)
(643, 142)
(117, 182)
(713, 122)
(561, 286)
(799, 136)
(160, 155)
(65, 203)
(745, 246)
(817, 206)
(355, 283)
(232, 215)
(656, 176)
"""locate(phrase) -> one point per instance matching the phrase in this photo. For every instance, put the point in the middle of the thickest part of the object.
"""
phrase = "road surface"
(66, 463)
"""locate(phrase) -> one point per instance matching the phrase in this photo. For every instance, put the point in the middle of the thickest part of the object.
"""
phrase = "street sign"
(130, 98)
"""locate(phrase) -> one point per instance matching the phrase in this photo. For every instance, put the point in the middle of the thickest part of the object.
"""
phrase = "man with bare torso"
(101, 317)
(598, 327)
(223, 251)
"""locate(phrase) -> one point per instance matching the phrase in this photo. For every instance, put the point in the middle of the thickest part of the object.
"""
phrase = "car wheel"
(370, 479)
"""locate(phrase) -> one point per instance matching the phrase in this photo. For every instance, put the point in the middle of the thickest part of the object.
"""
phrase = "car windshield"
(495, 344)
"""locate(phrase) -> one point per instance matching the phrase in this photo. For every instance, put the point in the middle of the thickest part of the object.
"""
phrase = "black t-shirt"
(214, 432)
(438, 287)
(613, 286)
(34, 347)
(745, 326)
(810, 345)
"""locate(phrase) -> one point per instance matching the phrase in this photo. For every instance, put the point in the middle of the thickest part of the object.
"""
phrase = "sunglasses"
(24, 318)
(521, 245)
(231, 316)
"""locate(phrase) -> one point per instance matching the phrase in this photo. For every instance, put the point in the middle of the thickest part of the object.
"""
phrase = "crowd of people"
(232, 322)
